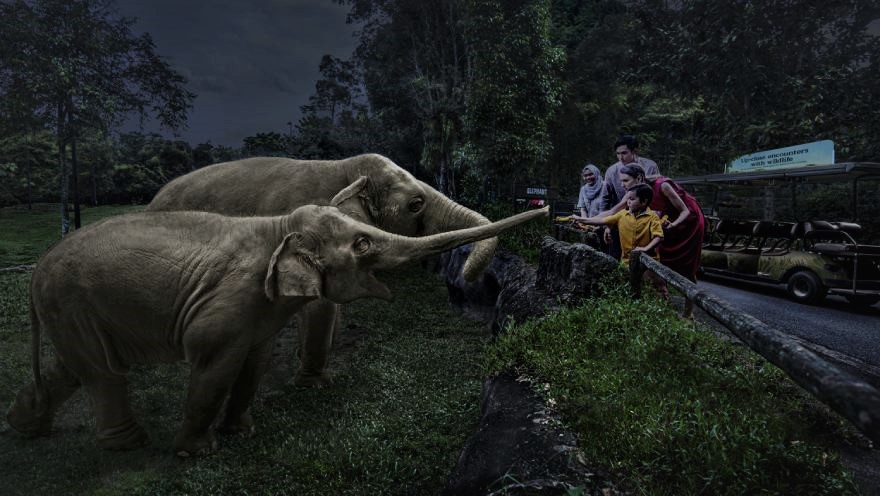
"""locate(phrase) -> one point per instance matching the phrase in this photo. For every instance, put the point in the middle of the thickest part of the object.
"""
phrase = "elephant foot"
(128, 436)
(312, 380)
(29, 417)
(30, 426)
(195, 446)
(243, 425)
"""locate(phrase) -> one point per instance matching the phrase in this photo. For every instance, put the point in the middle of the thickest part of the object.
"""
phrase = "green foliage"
(413, 61)
(265, 144)
(26, 168)
(670, 408)
(515, 88)
(337, 123)
(524, 240)
(785, 72)
(135, 182)
(75, 67)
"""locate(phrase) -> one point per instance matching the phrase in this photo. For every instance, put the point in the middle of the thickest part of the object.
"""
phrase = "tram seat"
(772, 237)
(734, 235)
(711, 239)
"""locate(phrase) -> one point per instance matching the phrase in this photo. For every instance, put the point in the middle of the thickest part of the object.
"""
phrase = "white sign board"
(816, 153)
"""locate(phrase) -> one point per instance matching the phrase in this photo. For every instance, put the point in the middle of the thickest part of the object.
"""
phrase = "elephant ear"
(293, 269)
(354, 201)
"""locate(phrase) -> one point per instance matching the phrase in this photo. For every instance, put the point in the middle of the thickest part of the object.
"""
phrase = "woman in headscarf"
(591, 191)
(683, 223)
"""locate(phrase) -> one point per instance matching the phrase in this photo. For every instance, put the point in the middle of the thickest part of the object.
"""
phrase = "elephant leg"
(117, 428)
(33, 418)
(238, 419)
(211, 378)
(317, 325)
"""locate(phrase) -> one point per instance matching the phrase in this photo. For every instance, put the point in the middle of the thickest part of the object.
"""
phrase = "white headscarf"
(592, 191)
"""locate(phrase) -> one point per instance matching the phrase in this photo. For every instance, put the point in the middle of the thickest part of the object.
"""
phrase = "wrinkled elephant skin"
(392, 199)
(200, 287)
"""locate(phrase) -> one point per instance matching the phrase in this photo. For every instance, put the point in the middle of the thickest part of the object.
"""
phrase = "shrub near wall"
(671, 409)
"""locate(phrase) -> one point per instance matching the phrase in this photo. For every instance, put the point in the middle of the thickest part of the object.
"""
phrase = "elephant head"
(390, 198)
(333, 255)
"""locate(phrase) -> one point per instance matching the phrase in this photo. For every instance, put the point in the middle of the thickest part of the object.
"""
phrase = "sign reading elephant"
(200, 287)
(392, 200)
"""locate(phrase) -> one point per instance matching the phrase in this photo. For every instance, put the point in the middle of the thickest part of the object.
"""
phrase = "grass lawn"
(670, 409)
(26, 234)
(405, 398)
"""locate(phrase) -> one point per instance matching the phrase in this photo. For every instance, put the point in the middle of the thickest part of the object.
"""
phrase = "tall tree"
(84, 69)
(414, 62)
(514, 88)
(336, 122)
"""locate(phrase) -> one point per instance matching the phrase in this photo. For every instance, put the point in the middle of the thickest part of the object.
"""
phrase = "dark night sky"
(251, 63)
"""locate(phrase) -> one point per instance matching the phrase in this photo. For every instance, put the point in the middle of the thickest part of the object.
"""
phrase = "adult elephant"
(393, 201)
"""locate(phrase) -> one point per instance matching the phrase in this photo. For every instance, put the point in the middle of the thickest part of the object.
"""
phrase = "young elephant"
(390, 199)
(200, 287)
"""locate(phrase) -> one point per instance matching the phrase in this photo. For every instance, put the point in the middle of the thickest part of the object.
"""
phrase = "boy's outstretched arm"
(598, 220)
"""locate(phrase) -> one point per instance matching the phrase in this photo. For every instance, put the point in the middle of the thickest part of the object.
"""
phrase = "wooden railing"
(844, 393)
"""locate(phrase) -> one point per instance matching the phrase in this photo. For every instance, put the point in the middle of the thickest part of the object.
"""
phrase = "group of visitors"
(643, 211)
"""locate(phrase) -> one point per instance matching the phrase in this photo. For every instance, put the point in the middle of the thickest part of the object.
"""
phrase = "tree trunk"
(444, 188)
(64, 191)
(27, 172)
(94, 181)
(77, 223)
(30, 199)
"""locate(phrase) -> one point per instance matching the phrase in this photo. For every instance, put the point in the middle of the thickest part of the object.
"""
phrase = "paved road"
(834, 324)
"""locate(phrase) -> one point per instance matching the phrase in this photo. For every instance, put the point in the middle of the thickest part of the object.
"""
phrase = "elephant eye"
(362, 245)
(416, 204)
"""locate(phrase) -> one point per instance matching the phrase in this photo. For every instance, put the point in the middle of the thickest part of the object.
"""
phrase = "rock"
(511, 291)
(571, 272)
(520, 447)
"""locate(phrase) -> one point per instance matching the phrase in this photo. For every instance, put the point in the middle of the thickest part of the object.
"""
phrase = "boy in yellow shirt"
(638, 226)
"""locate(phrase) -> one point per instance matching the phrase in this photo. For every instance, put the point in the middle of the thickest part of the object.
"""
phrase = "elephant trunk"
(403, 249)
(450, 216)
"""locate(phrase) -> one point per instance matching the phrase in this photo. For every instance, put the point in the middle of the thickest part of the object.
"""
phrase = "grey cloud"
(252, 64)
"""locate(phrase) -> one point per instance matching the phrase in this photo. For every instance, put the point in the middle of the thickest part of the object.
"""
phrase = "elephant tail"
(28, 413)
(36, 348)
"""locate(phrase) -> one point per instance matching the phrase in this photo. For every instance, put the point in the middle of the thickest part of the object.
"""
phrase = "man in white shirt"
(625, 149)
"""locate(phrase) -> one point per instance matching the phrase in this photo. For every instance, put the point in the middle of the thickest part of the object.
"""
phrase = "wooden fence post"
(636, 273)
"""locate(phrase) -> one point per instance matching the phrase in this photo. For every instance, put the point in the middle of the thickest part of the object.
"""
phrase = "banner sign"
(816, 153)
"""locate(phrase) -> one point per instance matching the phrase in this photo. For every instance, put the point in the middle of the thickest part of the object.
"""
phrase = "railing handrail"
(851, 397)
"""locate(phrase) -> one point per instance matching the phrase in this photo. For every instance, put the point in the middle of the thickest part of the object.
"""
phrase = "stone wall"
(521, 446)
(512, 291)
